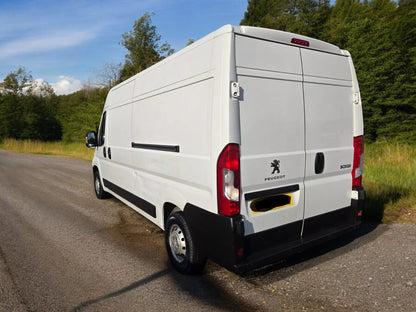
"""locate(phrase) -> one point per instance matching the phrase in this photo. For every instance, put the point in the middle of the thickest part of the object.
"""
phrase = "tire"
(180, 246)
(98, 187)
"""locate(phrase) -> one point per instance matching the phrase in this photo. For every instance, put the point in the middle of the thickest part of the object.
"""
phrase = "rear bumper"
(358, 203)
(222, 238)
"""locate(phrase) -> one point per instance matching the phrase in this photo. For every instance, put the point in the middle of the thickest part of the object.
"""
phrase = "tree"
(305, 17)
(80, 112)
(42, 88)
(109, 75)
(405, 36)
(143, 44)
(17, 82)
(369, 31)
(381, 37)
(28, 108)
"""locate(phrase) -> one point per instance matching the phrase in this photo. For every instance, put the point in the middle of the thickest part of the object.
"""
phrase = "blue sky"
(67, 42)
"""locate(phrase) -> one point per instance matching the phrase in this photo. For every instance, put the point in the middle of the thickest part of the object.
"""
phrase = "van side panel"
(183, 173)
(173, 71)
(178, 117)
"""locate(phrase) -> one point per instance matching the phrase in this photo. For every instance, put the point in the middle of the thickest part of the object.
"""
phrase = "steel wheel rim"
(97, 185)
(177, 243)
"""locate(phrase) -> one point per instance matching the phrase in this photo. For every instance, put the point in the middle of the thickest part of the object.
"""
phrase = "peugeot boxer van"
(243, 147)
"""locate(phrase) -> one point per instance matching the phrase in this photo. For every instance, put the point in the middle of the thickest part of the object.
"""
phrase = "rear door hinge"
(356, 97)
(235, 89)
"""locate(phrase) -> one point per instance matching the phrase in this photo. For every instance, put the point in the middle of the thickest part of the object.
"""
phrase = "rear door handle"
(319, 163)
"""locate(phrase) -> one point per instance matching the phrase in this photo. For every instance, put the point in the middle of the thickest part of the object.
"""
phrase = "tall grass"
(73, 149)
(389, 175)
(390, 182)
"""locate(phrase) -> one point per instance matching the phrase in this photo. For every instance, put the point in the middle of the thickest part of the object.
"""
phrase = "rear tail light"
(228, 181)
(357, 168)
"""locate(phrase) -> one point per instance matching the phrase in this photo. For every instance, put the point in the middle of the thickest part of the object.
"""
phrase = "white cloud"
(44, 42)
(38, 84)
(66, 85)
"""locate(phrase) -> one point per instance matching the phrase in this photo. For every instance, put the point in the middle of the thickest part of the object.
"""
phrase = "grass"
(390, 182)
(389, 175)
(73, 149)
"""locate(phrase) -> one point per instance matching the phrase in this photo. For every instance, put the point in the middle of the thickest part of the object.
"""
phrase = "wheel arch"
(168, 209)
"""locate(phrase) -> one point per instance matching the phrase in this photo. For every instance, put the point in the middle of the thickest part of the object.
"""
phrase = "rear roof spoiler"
(287, 38)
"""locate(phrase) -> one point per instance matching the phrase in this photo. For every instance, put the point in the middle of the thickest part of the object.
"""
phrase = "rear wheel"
(180, 246)
(98, 187)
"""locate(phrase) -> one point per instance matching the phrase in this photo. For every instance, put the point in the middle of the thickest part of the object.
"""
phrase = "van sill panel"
(140, 203)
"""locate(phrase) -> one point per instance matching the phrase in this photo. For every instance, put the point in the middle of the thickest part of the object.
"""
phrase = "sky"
(67, 43)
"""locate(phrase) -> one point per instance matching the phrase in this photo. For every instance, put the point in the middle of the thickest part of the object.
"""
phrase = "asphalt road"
(61, 249)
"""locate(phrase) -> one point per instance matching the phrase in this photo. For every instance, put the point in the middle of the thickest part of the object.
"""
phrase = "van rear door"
(328, 141)
(296, 122)
(272, 136)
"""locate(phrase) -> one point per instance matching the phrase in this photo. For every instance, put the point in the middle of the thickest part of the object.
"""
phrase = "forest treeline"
(381, 37)
(379, 34)
(34, 112)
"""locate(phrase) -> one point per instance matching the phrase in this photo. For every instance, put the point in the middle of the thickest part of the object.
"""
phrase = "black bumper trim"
(217, 237)
(222, 238)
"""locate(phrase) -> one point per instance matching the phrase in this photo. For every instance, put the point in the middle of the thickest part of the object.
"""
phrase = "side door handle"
(109, 153)
(105, 152)
(319, 163)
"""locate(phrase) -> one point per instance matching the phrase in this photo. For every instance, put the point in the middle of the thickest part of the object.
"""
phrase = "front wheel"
(98, 187)
(180, 246)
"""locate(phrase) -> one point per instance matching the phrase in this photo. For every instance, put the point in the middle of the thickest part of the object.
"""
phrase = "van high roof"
(279, 36)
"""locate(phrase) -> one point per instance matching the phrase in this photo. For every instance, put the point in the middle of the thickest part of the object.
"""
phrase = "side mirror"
(91, 139)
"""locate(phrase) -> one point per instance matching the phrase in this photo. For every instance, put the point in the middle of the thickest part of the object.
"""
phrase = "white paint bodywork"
(293, 103)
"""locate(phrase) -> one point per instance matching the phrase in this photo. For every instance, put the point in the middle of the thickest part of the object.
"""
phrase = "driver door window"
(101, 131)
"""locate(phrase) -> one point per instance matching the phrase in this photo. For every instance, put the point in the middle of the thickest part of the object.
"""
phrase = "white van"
(244, 146)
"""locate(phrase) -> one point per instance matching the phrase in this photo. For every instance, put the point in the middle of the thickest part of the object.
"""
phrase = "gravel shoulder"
(10, 300)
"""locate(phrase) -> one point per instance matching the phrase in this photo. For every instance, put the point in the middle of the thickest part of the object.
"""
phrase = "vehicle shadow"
(215, 288)
(218, 288)
(132, 286)
(318, 254)
(146, 242)
(208, 290)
